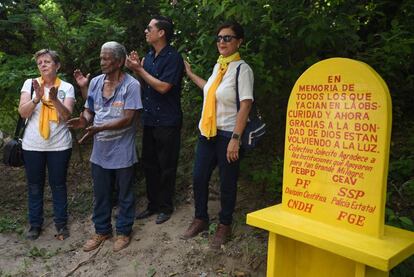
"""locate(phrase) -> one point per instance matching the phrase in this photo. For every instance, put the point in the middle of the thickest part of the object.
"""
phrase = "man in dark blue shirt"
(161, 72)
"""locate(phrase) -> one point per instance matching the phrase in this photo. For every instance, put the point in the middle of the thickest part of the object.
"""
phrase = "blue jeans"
(211, 153)
(104, 183)
(57, 165)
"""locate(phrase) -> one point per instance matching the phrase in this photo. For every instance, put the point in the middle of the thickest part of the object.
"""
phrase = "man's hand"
(77, 122)
(53, 94)
(133, 62)
(81, 79)
(90, 132)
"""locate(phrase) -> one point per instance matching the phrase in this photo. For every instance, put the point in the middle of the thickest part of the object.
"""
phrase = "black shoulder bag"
(12, 151)
(255, 127)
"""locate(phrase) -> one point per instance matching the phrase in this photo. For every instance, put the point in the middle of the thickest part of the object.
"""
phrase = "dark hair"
(234, 26)
(166, 24)
(53, 54)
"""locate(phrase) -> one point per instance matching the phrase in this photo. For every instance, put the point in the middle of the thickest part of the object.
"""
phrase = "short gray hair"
(117, 49)
(53, 54)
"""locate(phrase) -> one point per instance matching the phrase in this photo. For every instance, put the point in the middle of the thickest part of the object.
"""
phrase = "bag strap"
(237, 87)
(253, 109)
(21, 122)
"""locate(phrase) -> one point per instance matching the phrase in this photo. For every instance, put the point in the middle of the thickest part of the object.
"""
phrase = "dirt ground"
(155, 250)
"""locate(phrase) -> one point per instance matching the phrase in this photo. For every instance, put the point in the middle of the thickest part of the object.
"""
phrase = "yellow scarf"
(208, 117)
(47, 111)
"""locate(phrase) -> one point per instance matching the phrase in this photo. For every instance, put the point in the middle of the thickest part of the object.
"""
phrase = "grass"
(10, 224)
(43, 253)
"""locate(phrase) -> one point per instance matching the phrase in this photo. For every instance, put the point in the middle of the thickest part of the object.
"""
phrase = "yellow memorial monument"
(331, 219)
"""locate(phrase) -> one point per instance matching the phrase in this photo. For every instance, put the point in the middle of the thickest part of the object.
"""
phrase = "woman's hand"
(39, 90)
(188, 69)
(233, 150)
(200, 82)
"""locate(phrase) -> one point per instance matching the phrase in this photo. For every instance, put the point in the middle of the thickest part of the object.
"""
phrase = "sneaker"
(162, 217)
(95, 241)
(33, 233)
(222, 236)
(121, 242)
(196, 227)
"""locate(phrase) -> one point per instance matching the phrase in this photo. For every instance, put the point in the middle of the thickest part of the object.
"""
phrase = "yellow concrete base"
(303, 247)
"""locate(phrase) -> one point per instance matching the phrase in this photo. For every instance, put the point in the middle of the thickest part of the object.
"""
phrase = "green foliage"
(405, 269)
(151, 272)
(11, 224)
(398, 221)
(400, 193)
(43, 253)
(266, 174)
(77, 38)
(212, 228)
(282, 39)
(13, 71)
(16, 34)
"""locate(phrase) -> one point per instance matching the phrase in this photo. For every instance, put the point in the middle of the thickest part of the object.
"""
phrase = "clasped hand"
(39, 91)
(133, 62)
(80, 123)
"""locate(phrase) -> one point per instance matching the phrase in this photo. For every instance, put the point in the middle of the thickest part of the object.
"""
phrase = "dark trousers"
(105, 181)
(211, 153)
(160, 150)
(35, 165)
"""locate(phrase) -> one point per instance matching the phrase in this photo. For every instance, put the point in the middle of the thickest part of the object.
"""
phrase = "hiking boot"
(33, 233)
(95, 241)
(121, 242)
(196, 227)
(222, 236)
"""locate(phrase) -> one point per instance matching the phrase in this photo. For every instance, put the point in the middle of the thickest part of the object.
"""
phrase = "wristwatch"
(235, 136)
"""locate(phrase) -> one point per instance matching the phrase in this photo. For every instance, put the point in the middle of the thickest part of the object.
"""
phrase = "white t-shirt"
(226, 106)
(60, 137)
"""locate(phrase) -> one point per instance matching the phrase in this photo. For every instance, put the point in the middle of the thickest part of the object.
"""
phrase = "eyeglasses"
(226, 38)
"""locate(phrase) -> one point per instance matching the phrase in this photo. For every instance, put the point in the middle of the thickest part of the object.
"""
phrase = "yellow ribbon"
(208, 117)
(47, 111)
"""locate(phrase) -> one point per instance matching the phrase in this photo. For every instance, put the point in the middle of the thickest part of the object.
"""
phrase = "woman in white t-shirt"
(47, 102)
(221, 126)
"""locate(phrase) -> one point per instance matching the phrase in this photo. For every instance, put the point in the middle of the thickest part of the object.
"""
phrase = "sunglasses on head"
(226, 38)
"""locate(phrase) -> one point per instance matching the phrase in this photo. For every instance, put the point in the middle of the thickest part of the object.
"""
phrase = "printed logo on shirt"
(116, 108)
(117, 104)
(61, 94)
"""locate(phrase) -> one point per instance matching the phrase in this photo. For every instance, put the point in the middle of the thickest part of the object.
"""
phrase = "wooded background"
(283, 38)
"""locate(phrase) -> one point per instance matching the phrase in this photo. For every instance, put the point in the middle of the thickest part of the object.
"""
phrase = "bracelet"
(35, 102)
(235, 136)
